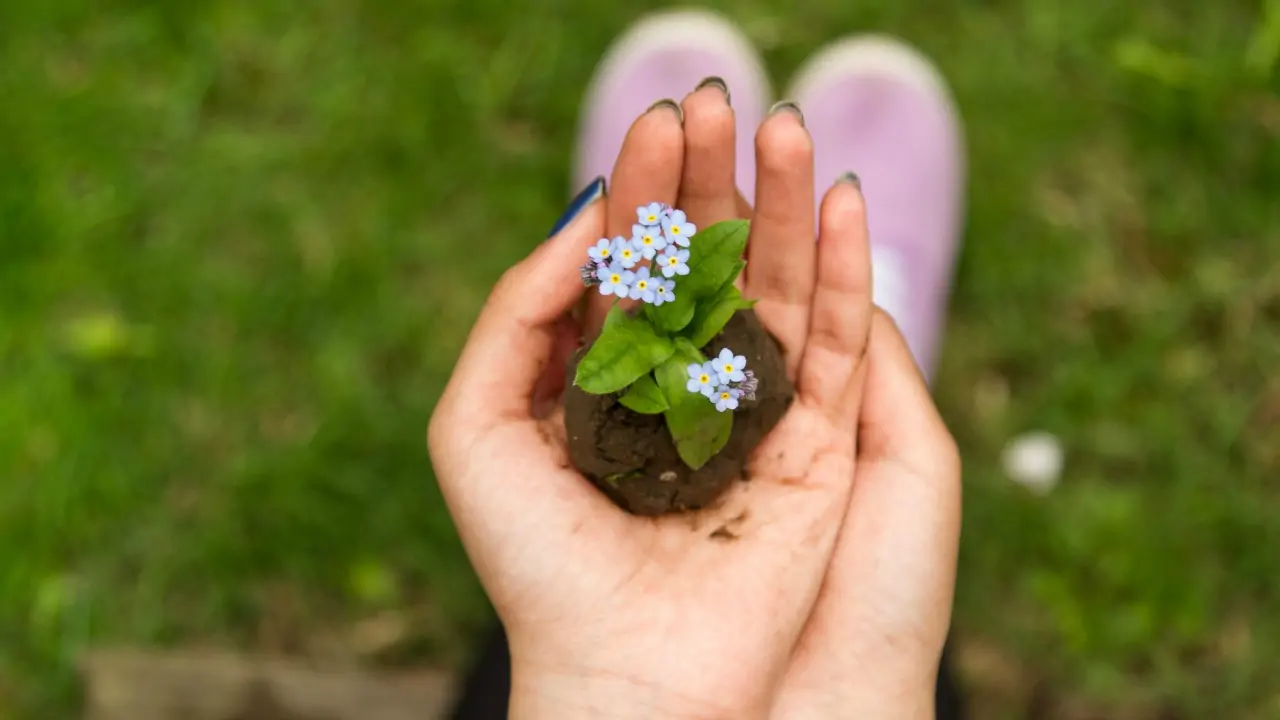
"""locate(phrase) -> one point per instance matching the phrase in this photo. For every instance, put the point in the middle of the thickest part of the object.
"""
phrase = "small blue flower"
(652, 214)
(647, 240)
(729, 367)
(702, 379)
(677, 228)
(615, 279)
(644, 287)
(674, 261)
(664, 291)
(624, 252)
(726, 398)
(602, 252)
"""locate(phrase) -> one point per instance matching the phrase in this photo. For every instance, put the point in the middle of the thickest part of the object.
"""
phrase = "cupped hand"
(614, 615)
(872, 643)
(608, 612)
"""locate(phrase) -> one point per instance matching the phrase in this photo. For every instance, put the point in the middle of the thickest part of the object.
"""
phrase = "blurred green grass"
(241, 243)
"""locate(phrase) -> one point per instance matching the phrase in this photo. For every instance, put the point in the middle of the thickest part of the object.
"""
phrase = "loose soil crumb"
(632, 458)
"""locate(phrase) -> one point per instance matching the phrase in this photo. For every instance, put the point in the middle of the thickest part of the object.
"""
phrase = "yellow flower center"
(651, 218)
(642, 285)
(604, 253)
(647, 239)
(626, 253)
(615, 278)
(673, 261)
(724, 396)
(728, 367)
(704, 379)
(675, 229)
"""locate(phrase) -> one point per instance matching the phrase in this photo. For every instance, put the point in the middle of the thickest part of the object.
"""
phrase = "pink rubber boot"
(878, 108)
(666, 55)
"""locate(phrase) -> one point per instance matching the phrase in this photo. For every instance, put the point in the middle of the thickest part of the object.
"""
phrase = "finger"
(781, 248)
(898, 416)
(648, 170)
(707, 191)
(516, 333)
(840, 319)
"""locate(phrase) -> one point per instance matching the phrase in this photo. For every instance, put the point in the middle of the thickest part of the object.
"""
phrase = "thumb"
(505, 483)
(516, 334)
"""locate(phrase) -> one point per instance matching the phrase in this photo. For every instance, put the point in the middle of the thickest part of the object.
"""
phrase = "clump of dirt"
(632, 458)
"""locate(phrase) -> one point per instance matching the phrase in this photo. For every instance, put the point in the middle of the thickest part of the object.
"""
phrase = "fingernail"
(788, 106)
(670, 105)
(850, 177)
(715, 82)
(592, 192)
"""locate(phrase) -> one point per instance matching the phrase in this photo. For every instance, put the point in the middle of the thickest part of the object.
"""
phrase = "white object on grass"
(1034, 460)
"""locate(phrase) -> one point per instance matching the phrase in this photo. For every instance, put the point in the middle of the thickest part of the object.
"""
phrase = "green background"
(242, 241)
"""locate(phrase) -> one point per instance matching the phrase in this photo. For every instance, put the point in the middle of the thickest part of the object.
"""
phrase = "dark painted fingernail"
(788, 106)
(592, 192)
(669, 104)
(718, 83)
(850, 177)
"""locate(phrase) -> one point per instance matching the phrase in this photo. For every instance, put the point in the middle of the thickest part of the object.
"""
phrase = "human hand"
(872, 643)
(685, 616)
(875, 636)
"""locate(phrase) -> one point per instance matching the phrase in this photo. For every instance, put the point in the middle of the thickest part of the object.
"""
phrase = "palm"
(639, 582)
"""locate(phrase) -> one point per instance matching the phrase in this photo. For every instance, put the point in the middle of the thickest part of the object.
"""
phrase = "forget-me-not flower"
(729, 366)
(673, 261)
(603, 251)
(726, 398)
(678, 229)
(664, 291)
(652, 214)
(648, 240)
(625, 253)
(643, 287)
(615, 279)
(702, 379)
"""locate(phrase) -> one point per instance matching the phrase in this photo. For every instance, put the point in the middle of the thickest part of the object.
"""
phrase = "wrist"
(539, 693)
(897, 701)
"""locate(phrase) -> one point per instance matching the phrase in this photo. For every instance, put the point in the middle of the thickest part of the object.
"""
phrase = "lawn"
(241, 244)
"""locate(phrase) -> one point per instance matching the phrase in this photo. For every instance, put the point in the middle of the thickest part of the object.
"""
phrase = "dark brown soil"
(632, 458)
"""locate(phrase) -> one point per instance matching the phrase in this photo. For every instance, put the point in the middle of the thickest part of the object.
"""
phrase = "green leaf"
(688, 349)
(699, 430)
(715, 258)
(627, 349)
(672, 316)
(644, 397)
(712, 314)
